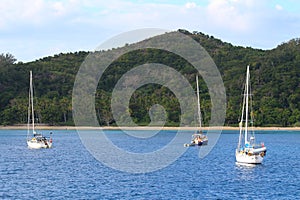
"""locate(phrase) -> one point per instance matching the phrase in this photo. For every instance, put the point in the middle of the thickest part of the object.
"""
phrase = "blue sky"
(33, 29)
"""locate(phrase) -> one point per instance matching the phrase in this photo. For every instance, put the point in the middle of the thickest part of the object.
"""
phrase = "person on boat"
(199, 139)
(247, 145)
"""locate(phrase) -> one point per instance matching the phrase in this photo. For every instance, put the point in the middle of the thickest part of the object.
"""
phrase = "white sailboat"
(198, 139)
(248, 152)
(35, 140)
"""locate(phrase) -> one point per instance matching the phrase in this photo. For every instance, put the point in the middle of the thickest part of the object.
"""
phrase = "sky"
(33, 29)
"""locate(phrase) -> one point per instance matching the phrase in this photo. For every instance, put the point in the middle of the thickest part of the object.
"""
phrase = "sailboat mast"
(198, 103)
(247, 107)
(242, 118)
(31, 99)
(28, 113)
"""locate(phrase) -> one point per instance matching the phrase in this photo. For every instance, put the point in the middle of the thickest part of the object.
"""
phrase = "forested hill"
(275, 78)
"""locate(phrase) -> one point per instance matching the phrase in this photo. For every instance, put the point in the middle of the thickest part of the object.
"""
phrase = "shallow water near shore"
(69, 171)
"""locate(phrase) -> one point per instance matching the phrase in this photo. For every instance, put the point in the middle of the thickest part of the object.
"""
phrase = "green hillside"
(274, 77)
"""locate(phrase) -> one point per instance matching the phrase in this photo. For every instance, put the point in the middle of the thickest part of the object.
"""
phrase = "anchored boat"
(248, 152)
(35, 140)
(198, 139)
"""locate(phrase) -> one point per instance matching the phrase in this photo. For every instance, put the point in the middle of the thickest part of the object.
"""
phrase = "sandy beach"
(45, 127)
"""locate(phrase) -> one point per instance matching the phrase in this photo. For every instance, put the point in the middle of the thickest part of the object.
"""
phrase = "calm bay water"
(69, 171)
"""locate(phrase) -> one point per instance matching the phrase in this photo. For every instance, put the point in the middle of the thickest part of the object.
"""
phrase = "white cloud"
(59, 23)
(59, 8)
(278, 7)
(122, 14)
(189, 5)
(234, 15)
(14, 13)
(35, 12)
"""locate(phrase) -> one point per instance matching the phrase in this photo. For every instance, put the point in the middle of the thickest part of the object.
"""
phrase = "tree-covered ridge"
(274, 77)
(53, 82)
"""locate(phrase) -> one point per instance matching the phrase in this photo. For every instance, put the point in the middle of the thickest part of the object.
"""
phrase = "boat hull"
(39, 144)
(243, 157)
(198, 144)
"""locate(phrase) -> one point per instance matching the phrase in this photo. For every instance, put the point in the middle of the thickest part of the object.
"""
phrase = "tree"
(65, 107)
(7, 59)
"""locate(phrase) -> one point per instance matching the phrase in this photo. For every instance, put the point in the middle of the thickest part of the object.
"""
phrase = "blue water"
(69, 171)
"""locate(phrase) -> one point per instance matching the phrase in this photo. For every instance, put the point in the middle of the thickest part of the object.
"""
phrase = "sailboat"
(248, 152)
(35, 140)
(198, 139)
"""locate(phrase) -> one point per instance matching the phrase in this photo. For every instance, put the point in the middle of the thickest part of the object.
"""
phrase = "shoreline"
(45, 127)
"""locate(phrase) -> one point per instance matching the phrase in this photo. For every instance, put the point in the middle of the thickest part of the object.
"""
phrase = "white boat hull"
(38, 144)
(202, 142)
(243, 157)
(194, 144)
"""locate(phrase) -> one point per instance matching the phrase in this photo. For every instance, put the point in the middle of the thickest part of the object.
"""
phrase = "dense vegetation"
(275, 77)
